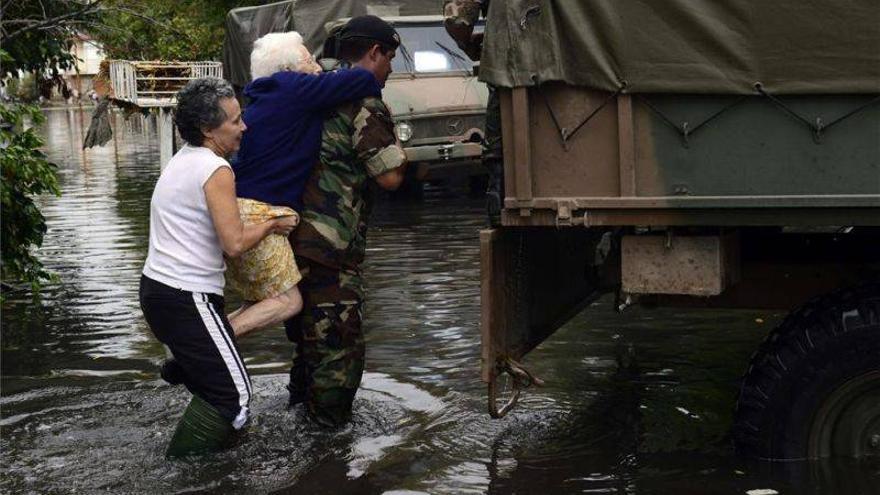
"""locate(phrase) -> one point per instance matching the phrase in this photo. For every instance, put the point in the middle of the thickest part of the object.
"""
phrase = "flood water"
(635, 403)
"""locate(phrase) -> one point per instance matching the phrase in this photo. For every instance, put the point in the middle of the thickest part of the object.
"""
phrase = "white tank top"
(185, 252)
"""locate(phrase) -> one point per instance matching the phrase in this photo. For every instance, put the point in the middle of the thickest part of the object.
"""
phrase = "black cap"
(370, 27)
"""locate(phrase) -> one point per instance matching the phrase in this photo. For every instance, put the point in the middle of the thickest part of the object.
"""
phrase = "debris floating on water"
(99, 132)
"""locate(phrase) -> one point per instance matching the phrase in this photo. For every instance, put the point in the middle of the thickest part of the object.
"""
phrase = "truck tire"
(812, 389)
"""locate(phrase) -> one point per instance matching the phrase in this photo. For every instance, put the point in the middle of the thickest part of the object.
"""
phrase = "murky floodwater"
(638, 403)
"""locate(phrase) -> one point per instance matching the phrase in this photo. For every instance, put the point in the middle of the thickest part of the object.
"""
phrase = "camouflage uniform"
(464, 12)
(358, 144)
(467, 13)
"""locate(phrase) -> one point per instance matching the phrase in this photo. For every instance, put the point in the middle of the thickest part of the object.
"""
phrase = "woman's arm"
(236, 237)
(328, 90)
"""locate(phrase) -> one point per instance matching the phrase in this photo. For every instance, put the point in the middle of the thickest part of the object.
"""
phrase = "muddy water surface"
(635, 403)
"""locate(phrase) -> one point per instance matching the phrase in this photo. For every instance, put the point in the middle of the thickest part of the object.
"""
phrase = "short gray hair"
(198, 108)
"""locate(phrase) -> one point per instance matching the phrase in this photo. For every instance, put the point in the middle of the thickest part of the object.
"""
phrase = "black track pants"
(194, 326)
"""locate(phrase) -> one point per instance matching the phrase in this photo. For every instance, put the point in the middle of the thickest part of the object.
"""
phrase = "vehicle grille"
(440, 127)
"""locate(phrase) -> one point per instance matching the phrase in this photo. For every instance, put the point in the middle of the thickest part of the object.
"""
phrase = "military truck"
(438, 103)
(704, 155)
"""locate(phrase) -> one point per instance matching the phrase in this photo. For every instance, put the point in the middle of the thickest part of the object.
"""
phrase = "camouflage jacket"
(464, 12)
(461, 17)
(357, 145)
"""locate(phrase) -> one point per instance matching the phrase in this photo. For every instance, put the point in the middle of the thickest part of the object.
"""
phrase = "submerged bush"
(26, 173)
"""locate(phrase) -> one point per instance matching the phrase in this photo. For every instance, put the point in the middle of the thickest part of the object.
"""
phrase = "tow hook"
(521, 378)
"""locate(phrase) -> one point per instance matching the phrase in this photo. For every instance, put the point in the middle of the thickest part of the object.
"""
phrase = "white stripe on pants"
(227, 351)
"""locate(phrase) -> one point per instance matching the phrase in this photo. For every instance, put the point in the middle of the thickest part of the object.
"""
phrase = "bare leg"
(245, 305)
(267, 312)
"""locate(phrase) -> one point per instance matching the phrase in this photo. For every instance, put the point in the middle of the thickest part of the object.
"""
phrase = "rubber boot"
(201, 430)
(172, 372)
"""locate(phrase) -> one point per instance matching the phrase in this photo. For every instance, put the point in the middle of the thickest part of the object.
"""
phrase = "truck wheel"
(812, 389)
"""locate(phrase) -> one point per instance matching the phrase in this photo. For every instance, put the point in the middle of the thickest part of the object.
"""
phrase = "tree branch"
(58, 21)
(126, 10)
(80, 16)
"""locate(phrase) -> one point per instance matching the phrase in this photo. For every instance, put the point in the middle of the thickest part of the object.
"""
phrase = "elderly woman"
(194, 221)
(288, 99)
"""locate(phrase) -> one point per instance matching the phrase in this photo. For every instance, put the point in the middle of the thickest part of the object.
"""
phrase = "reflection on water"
(634, 403)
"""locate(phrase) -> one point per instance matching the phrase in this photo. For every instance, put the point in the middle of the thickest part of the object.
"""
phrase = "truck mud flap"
(533, 280)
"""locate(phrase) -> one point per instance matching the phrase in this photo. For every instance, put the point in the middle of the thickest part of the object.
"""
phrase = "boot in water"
(201, 430)
(172, 372)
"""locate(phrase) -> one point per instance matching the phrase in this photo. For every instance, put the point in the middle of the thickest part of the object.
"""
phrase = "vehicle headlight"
(404, 131)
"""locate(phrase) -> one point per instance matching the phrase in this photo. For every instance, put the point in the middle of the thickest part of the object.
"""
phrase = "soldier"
(358, 147)
(461, 17)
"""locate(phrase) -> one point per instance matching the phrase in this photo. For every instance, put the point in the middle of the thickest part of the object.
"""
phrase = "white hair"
(275, 52)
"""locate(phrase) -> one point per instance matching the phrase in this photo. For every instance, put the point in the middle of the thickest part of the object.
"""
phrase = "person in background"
(194, 222)
(460, 19)
(288, 99)
(359, 150)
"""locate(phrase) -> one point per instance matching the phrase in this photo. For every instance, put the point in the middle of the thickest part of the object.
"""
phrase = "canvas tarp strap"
(686, 46)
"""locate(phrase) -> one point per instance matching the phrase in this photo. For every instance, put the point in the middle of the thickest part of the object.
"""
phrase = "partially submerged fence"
(155, 84)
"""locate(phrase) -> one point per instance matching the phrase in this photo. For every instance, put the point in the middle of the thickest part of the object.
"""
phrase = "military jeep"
(438, 103)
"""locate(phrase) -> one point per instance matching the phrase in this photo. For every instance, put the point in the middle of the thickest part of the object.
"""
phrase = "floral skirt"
(267, 269)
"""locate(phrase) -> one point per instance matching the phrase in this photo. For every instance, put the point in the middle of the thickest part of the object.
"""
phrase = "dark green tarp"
(686, 46)
(308, 17)
(243, 27)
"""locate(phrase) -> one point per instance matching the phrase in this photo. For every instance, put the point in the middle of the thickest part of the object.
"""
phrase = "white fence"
(155, 84)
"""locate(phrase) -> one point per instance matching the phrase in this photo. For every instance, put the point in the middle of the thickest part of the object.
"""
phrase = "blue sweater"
(284, 123)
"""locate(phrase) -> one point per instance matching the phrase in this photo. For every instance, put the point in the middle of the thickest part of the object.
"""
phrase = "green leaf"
(26, 174)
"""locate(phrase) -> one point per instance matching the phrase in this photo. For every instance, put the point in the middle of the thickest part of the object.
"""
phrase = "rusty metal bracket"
(564, 211)
(521, 379)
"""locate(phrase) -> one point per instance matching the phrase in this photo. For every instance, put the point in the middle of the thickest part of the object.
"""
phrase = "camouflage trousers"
(493, 158)
(328, 359)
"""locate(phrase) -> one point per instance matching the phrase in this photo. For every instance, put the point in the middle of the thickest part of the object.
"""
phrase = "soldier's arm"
(460, 18)
(376, 144)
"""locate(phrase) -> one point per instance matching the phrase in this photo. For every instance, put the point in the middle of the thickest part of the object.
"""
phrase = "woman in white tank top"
(194, 222)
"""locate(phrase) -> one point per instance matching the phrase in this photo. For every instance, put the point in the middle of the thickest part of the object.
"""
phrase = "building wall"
(89, 54)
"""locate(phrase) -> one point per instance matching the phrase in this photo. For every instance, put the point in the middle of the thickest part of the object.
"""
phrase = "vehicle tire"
(812, 389)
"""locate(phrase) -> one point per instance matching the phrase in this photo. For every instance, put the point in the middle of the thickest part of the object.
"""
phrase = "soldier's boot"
(201, 430)
(330, 407)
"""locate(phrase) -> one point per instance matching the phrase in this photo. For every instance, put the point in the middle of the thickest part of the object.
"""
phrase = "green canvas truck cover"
(308, 17)
(686, 46)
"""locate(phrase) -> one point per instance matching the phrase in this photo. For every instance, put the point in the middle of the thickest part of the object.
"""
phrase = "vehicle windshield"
(430, 50)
